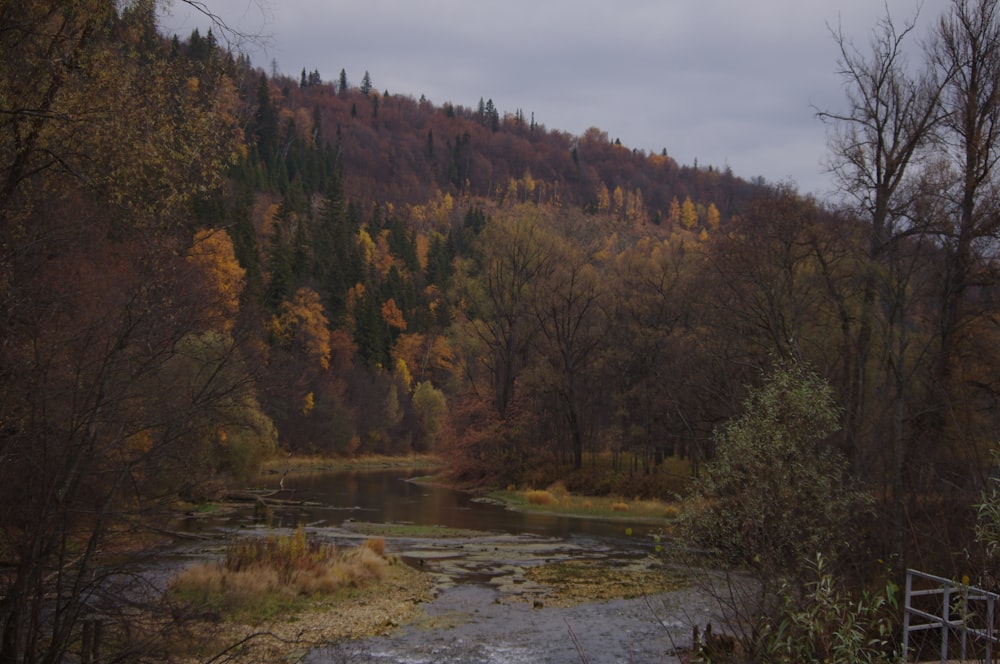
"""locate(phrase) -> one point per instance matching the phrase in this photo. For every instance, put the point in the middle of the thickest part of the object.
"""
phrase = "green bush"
(826, 624)
(778, 492)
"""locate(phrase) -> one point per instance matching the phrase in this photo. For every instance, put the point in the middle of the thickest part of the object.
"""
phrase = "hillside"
(202, 266)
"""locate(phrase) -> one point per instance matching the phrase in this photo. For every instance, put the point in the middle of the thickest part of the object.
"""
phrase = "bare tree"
(878, 146)
(965, 48)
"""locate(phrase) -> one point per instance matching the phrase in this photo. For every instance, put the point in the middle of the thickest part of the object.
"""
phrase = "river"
(490, 610)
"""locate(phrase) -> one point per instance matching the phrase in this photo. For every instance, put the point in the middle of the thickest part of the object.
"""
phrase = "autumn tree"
(212, 254)
(111, 383)
(657, 382)
(512, 254)
(570, 315)
(688, 214)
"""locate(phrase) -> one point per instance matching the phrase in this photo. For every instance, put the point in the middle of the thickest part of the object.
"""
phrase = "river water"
(392, 497)
(478, 575)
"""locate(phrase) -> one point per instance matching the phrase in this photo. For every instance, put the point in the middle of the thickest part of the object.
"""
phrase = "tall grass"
(262, 576)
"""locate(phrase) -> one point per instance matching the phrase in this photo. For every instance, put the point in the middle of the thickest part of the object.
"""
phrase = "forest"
(203, 265)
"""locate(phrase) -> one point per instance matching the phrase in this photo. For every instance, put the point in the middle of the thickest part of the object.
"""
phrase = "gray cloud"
(726, 82)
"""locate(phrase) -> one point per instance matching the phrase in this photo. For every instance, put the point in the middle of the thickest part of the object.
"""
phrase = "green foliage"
(826, 624)
(234, 435)
(988, 514)
(430, 406)
(777, 493)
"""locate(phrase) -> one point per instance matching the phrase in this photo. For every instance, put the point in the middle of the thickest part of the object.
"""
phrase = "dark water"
(393, 497)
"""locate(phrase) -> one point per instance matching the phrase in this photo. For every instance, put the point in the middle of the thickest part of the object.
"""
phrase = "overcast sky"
(723, 82)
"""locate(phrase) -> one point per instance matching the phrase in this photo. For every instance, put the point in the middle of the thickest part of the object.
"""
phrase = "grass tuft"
(540, 497)
(262, 577)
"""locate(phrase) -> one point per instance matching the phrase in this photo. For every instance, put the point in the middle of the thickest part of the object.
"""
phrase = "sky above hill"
(721, 82)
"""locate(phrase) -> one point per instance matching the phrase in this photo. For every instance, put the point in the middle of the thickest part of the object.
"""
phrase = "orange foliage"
(427, 356)
(392, 315)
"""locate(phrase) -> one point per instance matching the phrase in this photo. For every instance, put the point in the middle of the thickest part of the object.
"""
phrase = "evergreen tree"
(366, 84)
(370, 330)
(439, 260)
(337, 262)
(403, 246)
(265, 125)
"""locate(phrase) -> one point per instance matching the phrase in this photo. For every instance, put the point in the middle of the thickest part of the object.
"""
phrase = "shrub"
(776, 495)
(826, 624)
(619, 506)
(777, 492)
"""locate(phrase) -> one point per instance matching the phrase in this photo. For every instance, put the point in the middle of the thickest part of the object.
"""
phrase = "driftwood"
(253, 497)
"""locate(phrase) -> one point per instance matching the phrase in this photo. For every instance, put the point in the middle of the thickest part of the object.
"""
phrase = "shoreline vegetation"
(554, 499)
(367, 588)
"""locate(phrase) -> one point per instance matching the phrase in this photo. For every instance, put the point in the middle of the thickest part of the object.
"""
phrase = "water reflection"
(390, 496)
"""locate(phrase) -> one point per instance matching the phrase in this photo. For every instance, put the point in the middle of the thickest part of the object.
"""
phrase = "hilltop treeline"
(201, 264)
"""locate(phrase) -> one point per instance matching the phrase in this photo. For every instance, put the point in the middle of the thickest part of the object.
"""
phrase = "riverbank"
(555, 499)
(555, 567)
(453, 582)
(377, 609)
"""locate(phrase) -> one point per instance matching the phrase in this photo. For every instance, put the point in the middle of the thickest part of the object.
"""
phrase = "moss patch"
(580, 581)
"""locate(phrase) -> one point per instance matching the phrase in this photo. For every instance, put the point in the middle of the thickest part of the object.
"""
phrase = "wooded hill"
(200, 264)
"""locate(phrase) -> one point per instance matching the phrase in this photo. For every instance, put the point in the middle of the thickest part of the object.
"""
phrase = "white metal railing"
(959, 604)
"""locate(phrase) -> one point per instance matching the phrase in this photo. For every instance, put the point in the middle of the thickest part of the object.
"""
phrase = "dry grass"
(260, 577)
(540, 497)
(558, 499)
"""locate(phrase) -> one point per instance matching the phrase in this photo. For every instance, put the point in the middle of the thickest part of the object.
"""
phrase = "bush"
(826, 624)
(776, 495)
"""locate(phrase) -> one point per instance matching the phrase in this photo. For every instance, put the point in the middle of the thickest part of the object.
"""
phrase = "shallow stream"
(487, 608)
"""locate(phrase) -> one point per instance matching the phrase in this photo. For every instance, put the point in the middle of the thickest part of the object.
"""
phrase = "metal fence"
(966, 613)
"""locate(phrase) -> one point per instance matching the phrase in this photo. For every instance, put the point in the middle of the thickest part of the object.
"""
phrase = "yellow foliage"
(140, 442)
(213, 253)
(309, 403)
(712, 216)
(689, 215)
(302, 323)
(540, 497)
(618, 201)
(367, 245)
(423, 244)
(403, 373)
